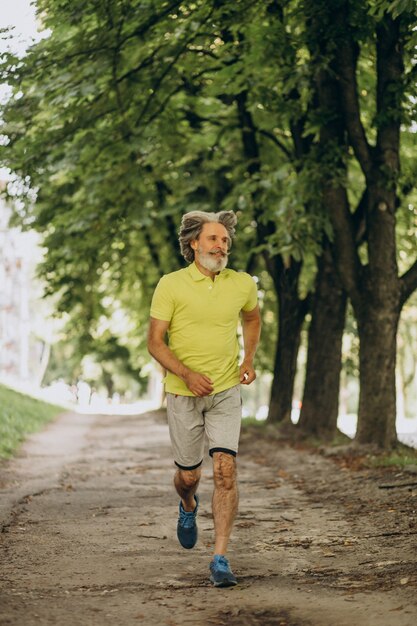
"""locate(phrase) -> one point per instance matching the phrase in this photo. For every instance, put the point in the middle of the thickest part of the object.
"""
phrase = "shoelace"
(222, 563)
(187, 519)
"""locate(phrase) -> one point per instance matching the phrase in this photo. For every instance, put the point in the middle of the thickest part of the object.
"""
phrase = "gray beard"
(210, 263)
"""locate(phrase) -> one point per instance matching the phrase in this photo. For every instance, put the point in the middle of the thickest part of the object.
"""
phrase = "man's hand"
(247, 373)
(199, 384)
(251, 327)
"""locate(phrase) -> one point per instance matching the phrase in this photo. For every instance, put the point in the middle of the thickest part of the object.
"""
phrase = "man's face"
(211, 248)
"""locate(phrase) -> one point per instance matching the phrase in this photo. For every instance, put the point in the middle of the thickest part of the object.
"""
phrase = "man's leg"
(225, 499)
(186, 483)
(186, 429)
(222, 424)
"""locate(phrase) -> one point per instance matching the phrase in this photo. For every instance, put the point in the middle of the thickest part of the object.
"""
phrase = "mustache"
(225, 254)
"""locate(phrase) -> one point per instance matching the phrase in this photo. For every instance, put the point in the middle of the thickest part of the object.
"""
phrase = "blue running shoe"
(187, 526)
(221, 574)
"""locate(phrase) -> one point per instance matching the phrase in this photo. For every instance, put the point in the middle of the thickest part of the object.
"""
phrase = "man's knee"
(224, 470)
(189, 478)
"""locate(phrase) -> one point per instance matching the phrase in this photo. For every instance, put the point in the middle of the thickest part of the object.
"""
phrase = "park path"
(88, 515)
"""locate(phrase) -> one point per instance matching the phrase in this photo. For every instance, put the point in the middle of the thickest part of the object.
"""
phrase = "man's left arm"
(251, 328)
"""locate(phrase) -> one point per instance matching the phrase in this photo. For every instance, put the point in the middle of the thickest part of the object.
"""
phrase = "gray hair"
(192, 224)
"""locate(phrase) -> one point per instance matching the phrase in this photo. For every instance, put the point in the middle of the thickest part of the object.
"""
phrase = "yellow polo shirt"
(203, 316)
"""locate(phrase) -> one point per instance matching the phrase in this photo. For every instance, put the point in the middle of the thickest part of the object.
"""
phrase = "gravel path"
(88, 518)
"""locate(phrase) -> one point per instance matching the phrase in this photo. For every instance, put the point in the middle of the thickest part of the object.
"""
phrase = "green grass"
(400, 457)
(21, 415)
(344, 447)
(252, 421)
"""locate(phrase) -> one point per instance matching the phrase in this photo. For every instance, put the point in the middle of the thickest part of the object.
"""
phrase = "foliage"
(21, 415)
(121, 118)
(130, 113)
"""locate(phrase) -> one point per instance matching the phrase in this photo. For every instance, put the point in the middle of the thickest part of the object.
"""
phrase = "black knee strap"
(225, 450)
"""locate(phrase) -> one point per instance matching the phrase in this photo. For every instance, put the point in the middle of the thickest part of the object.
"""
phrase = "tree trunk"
(291, 310)
(291, 314)
(285, 365)
(377, 397)
(320, 405)
(108, 383)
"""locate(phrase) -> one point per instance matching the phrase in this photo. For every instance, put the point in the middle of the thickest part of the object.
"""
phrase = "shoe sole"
(223, 583)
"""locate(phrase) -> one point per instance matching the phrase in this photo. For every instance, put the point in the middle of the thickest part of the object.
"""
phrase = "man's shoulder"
(173, 277)
(239, 277)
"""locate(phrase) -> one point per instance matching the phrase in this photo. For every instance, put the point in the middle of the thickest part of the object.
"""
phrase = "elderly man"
(199, 307)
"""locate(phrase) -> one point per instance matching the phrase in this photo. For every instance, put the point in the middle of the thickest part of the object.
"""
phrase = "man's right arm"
(198, 384)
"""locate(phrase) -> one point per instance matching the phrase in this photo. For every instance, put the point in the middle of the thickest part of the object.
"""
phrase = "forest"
(300, 115)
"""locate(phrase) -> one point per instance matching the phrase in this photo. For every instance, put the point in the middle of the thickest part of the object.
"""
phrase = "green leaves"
(127, 115)
(395, 7)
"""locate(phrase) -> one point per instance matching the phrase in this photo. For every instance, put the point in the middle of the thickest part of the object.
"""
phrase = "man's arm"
(198, 384)
(251, 328)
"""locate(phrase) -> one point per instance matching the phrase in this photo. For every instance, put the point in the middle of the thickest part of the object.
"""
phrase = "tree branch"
(155, 87)
(195, 119)
(408, 282)
(346, 58)
(390, 73)
(348, 264)
(248, 131)
(302, 142)
(201, 51)
(154, 19)
(144, 63)
(359, 218)
(277, 142)
(163, 104)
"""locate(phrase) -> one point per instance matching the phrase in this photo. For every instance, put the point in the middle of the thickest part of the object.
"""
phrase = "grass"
(21, 415)
(345, 448)
(252, 421)
(400, 457)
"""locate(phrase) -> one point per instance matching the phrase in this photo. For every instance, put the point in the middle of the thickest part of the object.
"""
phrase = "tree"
(374, 286)
(105, 159)
(128, 114)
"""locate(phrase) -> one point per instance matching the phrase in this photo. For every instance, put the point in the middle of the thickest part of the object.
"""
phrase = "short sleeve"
(162, 305)
(252, 298)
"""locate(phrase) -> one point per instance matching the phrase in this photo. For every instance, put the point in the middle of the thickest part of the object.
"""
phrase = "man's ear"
(194, 244)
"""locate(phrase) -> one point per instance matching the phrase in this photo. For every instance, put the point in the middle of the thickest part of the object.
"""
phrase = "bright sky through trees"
(21, 15)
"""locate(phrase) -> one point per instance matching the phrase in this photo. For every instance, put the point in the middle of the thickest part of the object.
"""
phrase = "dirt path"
(89, 516)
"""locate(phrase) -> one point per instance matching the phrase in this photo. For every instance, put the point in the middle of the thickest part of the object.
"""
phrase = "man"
(199, 308)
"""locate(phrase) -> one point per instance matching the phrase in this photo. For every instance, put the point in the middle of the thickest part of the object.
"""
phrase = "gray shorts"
(190, 418)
